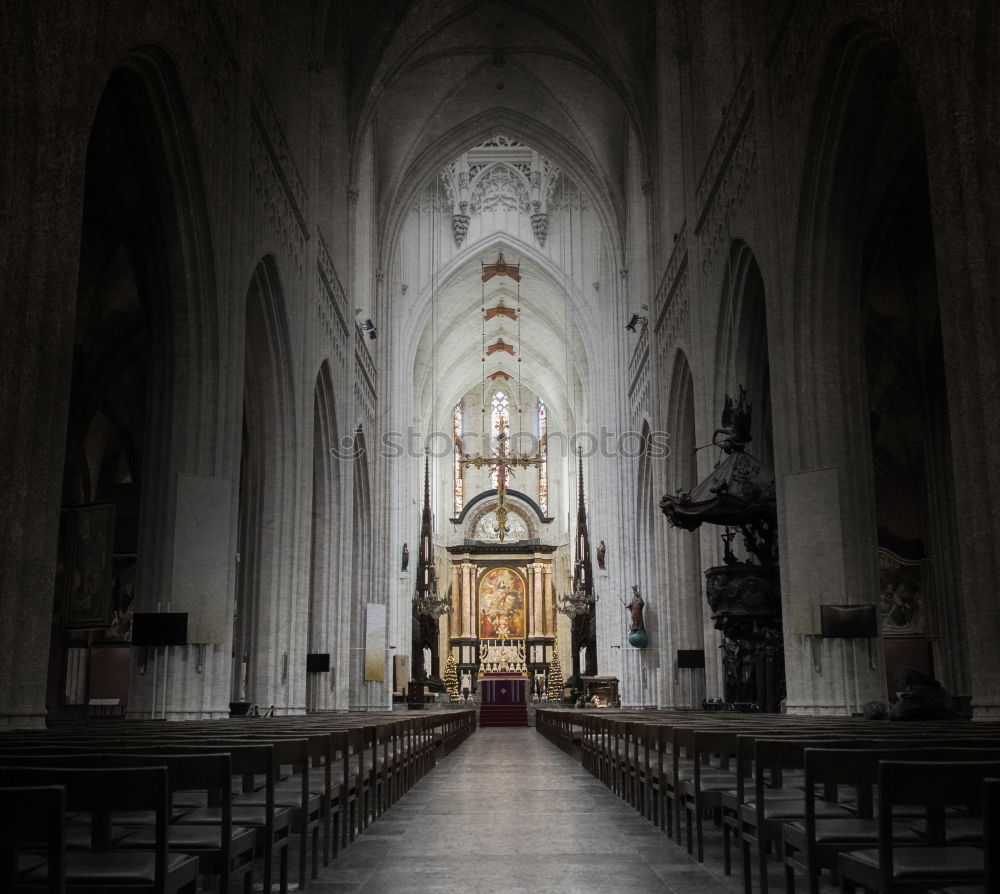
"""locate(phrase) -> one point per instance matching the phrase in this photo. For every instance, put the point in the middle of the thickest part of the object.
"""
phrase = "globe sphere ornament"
(638, 639)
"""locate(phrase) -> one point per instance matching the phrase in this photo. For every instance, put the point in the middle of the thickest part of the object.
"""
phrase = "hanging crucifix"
(503, 463)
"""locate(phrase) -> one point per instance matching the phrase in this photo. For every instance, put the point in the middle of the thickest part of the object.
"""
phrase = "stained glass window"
(500, 412)
(456, 421)
(543, 467)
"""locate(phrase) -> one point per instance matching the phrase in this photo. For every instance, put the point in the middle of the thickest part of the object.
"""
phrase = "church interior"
(477, 363)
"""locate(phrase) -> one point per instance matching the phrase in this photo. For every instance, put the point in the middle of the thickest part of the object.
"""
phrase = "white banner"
(375, 643)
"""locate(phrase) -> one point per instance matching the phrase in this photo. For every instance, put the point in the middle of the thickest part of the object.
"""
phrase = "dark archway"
(144, 318)
(867, 340)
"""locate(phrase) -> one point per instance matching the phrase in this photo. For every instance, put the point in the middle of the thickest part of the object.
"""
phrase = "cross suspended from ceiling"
(503, 463)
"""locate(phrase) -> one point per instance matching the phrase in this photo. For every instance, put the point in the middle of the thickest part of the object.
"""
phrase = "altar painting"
(501, 604)
(904, 591)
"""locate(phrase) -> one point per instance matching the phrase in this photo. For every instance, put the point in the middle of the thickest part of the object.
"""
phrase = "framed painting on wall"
(89, 569)
(904, 594)
(122, 595)
(501, 605)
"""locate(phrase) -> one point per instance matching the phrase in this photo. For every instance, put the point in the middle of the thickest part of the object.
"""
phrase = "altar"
(509, 690)
(502, 625)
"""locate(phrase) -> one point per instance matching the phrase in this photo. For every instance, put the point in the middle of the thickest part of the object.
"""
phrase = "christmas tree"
(554, 692)
(451, 677)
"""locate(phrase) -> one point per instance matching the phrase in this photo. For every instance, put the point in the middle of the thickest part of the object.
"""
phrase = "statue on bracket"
(635, 607)
(637, 632)
(406, 558)
(601, 550)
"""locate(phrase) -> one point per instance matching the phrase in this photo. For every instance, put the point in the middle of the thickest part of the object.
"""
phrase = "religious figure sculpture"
(736, 417)
(635, 607)
(406, 558)
(601, 550)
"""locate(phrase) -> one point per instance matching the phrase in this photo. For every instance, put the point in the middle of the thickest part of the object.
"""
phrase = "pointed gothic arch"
(743, 345)
(689, 625)
(266, 626)
(324, 592)
(146, 338)
(361, 592)
(647, 543)
(866, 170)
(558, 395)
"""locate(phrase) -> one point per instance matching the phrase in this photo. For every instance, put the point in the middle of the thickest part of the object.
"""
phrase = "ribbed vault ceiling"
(449, 355)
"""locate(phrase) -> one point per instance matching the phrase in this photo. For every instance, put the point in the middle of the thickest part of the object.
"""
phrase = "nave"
(509, 813)
(588, 801)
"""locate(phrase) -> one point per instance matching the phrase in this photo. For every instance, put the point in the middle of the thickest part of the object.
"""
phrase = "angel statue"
(736, 419)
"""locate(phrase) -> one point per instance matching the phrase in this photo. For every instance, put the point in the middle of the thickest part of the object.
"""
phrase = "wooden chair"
(991, 844)
(224, 850)
(762, 816)
(271, 824)
(293, 793)
(99, 792)
(704, 790)
(892, 868)
(33, 816)
(810, 844)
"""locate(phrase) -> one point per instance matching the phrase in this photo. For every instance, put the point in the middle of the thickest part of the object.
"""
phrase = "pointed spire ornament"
(582, 598)
(426, 600)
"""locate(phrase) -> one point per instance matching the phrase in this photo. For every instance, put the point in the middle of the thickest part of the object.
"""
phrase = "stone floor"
(509, 813)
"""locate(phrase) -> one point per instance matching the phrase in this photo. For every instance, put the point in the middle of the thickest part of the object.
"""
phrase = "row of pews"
(875, 805)
(151, 806)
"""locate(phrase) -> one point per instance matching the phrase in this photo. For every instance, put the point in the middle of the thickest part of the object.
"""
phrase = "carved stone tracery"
(480, 524)
(500, 187)
(500, 175)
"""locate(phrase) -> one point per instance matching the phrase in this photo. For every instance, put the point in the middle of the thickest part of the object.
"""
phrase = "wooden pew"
(991, 844)
(99, 792)
(224, 850)
(934, 786)
(811, 844)
(369, 759)
(644, 757)
(33, 816)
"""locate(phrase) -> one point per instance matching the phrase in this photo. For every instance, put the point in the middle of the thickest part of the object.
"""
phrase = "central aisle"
(509, 813)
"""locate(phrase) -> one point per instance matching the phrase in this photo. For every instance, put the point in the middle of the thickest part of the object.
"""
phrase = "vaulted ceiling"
(449, 355)
(432, 77)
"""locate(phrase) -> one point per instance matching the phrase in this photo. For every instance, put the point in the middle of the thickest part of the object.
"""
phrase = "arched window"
(456, 423)
(543, 452)
(499, 417)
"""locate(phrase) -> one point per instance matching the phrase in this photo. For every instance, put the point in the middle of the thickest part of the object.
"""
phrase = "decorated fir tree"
(451, 677)
(554, 692)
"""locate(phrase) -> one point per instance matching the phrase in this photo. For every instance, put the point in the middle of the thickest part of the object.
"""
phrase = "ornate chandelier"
(577, 602)
(431, 604)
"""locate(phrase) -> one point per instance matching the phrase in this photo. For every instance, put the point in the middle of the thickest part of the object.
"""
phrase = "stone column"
(455, 618)
(961, 161)
(41, 159)
(545, 629)
(468, 599)
(536, 598)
